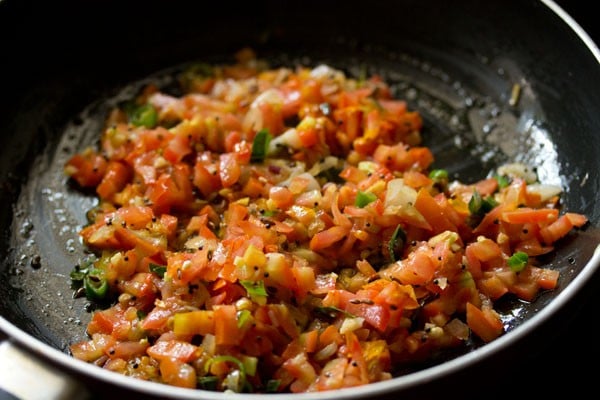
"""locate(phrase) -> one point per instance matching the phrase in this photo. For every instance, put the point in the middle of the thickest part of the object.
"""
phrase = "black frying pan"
(65, 62)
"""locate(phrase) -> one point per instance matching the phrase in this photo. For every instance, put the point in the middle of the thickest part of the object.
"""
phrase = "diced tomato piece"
(328, 237)
(484, 323)
(530, 215)
(226, 328)
(87, 168)
(173, 349)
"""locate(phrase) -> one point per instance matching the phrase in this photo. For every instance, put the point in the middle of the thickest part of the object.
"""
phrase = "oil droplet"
(26, 228)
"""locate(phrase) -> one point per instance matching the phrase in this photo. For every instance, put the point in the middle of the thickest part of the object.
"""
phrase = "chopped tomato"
(280, 230)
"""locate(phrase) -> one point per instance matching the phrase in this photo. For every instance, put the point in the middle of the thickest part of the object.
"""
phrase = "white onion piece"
(288, 138)
(518, 170)
(545, 191)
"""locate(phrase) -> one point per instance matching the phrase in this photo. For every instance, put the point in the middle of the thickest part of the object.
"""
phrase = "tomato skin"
(229, 169)
(171, 191)
(433, 212)
(561, 227)
(322, 261)
(173, 349)
(417, 269)
(87, 168)
(204, 180)
(485, 323)
(226, 329)
(328, 237)
(117, 175)
(177, 148)
(177, 373)
(526, 214)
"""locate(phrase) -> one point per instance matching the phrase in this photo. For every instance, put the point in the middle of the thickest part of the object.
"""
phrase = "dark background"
(561, 360)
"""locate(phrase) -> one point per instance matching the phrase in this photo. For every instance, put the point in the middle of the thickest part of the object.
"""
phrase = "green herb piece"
(144, 115)
(260, 145)
(503, 181)
(256, 290)
(480, 206)
(272, 385)
(475, 203)
(230, 359)
(208, 382)
(95, 285)
(396, 243)
(140, 314)
(270, 213)
(364, 198)
(158, 269)
(518, 261)
(438, 174)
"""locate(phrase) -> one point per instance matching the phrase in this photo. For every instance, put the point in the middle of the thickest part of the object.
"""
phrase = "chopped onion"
(518, 170)
(545, 191)
(400, 199)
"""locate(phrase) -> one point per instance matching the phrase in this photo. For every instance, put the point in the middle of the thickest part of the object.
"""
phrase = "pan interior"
(469, 133)
(465, 94)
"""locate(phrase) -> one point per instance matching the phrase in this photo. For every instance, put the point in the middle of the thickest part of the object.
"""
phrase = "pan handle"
(24, 376)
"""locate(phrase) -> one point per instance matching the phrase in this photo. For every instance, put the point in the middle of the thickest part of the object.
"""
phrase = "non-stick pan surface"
(66, 63)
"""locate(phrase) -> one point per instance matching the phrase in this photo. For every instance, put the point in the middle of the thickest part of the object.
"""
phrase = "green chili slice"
(364, 198)
(95, 284)
(518, 261)
(480, 206)
(396, 243)
(144, 115)
(254, 289)
(272, 385)
(503, 181)
(158, 269)
(208, 382)
(438, 174)
(230, 359)
(260, 145)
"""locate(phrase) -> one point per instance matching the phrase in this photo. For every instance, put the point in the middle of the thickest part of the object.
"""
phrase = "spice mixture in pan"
(281, 230)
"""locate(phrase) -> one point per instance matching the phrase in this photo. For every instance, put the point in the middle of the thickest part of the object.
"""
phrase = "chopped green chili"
(518, 261)
(230, 359)
(158, 269)
(95, 284)
(255, 289)
(272, 385)
(396, 243)
(260, 145)
(438, 174)
(480, 206)
(503, 181)
(144, 115)
(364, 198)
(208, 382)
